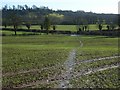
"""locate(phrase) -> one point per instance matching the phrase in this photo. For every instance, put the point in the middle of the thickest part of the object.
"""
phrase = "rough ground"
(69, 66)
(63, 79)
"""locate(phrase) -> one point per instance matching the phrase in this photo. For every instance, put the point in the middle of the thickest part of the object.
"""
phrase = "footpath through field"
(63, 80)
(69, 74)
(69, 66)
(58, 65)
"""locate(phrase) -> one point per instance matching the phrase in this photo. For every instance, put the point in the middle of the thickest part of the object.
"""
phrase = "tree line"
(45, 17)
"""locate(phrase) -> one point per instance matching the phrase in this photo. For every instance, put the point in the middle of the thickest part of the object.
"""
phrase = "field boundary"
(92, 32)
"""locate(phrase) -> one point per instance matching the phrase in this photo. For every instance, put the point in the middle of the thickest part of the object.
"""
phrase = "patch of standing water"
(73, 35)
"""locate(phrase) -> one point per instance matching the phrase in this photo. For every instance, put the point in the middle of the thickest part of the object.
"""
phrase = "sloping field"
(59, 61)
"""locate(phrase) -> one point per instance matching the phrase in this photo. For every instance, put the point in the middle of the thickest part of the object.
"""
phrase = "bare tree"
(119, 21)
(81, 24)
(15, 21)
(4, 22)
(28, 25)
(55, 19)
(47, 24)
(99, 24)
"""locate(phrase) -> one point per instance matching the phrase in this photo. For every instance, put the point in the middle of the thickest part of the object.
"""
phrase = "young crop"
(38, 61)
(101, 79)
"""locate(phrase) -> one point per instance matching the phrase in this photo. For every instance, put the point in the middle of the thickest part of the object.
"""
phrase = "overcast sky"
(98, 6)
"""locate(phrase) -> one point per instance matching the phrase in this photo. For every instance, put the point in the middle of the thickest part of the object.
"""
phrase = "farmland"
(33, 54)
(46, 48)
(101, 79)
(62, 27)
(53, 61)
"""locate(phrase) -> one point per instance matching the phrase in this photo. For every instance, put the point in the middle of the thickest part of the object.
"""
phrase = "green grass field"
(97, 46)
(63, 27)
(32, 60)
(34, 52)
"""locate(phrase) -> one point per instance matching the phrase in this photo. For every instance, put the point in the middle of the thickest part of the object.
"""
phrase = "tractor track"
(58, 65)
(58, 78)
(63, 80)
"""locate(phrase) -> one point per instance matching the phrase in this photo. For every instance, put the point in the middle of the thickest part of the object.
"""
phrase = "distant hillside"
(35, 15)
